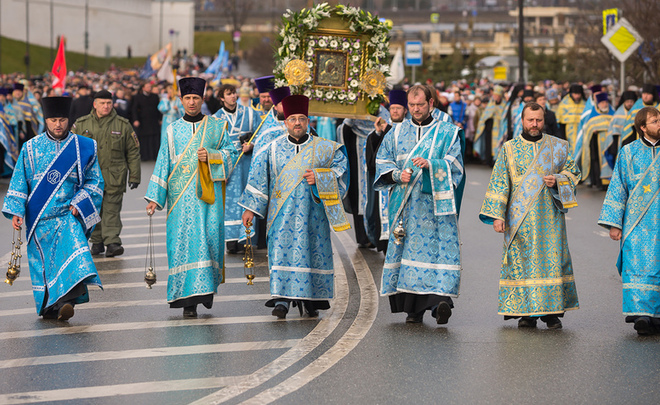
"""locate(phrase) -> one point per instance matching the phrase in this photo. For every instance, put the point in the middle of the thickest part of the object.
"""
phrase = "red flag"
(59, 67)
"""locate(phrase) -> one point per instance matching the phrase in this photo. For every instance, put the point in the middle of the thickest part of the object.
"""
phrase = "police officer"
(119, 156)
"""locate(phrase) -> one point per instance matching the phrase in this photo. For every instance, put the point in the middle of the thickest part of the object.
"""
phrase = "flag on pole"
(155, 61)
(165, 72)
(397, 71)
(59, 67)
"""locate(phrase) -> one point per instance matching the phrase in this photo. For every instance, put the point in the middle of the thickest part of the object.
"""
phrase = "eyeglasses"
(293, 120)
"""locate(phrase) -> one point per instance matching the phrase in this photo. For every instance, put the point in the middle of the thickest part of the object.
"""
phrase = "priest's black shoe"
(552, 321)
(114, 249)
(643, 326)
(97, 249)
(527, 322)
(190, 312)
(442, 313)
(309, 308)
(415, 317)
(280, 311)
(65, 313)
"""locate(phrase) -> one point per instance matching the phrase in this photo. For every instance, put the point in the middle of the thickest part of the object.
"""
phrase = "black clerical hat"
(56, 107)
(192, 85)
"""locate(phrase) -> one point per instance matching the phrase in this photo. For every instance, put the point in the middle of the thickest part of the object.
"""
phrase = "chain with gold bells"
(248, 258)
(150, 271)
(399, 232)
(14, 268)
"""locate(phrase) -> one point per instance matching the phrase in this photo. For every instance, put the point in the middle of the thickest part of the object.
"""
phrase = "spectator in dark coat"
(81, 105)
(551, 125)
(146, 121)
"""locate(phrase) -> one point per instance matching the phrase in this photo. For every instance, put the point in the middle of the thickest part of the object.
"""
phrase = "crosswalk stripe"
(143, 235)
(114, 327)
(141, 270)
(148, 353)
(138, 303)
(148, 387)
(233, 280)
(123, 228)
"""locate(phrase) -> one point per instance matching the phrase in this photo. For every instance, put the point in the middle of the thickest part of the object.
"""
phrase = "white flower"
(310, 51)
(356, 70)
(333, 43)
(307, 93)
(292, 47)
(354, 83)
(346, 45)
(287, 13)
(310, 64)
(370, 64)
(355, 58)
(368, 27)
(280, 83)
(282, 32)
(318, 93)
(352, 27)
(352, 96)
(329, 94)
(312, 43)
(384, 68)
(356, 45)
(322, 42)
(341, 96)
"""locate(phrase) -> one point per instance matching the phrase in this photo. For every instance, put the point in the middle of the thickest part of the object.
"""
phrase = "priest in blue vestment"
(630, 212)
(299, 182)
(56, 190)
(376, 212)
(531, 188)
(421, 162)
(243, 123)
(193, 164)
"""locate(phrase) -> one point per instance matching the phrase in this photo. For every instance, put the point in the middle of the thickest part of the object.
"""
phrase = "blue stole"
(436, 180)
(316, 155)
(70, 156)
(8, 140)
(549, 158)
(641, 198)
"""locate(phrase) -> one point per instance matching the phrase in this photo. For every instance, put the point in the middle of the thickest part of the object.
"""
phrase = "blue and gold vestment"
(429, 260)
(629, 126)
(50, 177)
(569, 114)
(492, 112)
(242, 122)
(632, 205)
(537, 275)
(195, 227)
(299, 215)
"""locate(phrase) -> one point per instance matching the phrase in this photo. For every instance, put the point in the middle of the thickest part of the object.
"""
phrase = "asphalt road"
(127, 346)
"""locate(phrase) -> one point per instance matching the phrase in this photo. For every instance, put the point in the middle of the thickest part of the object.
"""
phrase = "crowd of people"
(241, 154)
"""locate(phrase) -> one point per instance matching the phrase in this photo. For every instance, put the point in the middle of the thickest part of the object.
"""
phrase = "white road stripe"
(142, 284)
(149, 387)
(355, 333)
(115, 327)
(141, 270)
(142, 235)
(310, 342)
(123, 228)
(138, 303)
(148, 353)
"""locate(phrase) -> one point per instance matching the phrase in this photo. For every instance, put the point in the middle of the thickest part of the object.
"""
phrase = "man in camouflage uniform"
(118, 153)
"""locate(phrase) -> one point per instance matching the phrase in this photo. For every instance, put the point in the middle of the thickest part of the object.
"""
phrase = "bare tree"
(236, 11)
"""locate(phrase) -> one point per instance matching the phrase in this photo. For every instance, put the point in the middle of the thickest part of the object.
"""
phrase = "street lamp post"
(27, 38)
(521, 43)
(86, 31)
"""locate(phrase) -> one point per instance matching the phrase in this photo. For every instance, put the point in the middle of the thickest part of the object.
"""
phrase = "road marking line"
(138, 303)
(141, 270)
(356, 332)
(123, 228)
(148, 353)
(148, 387)
(233, 280)
(310, 342)
(115, 327)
